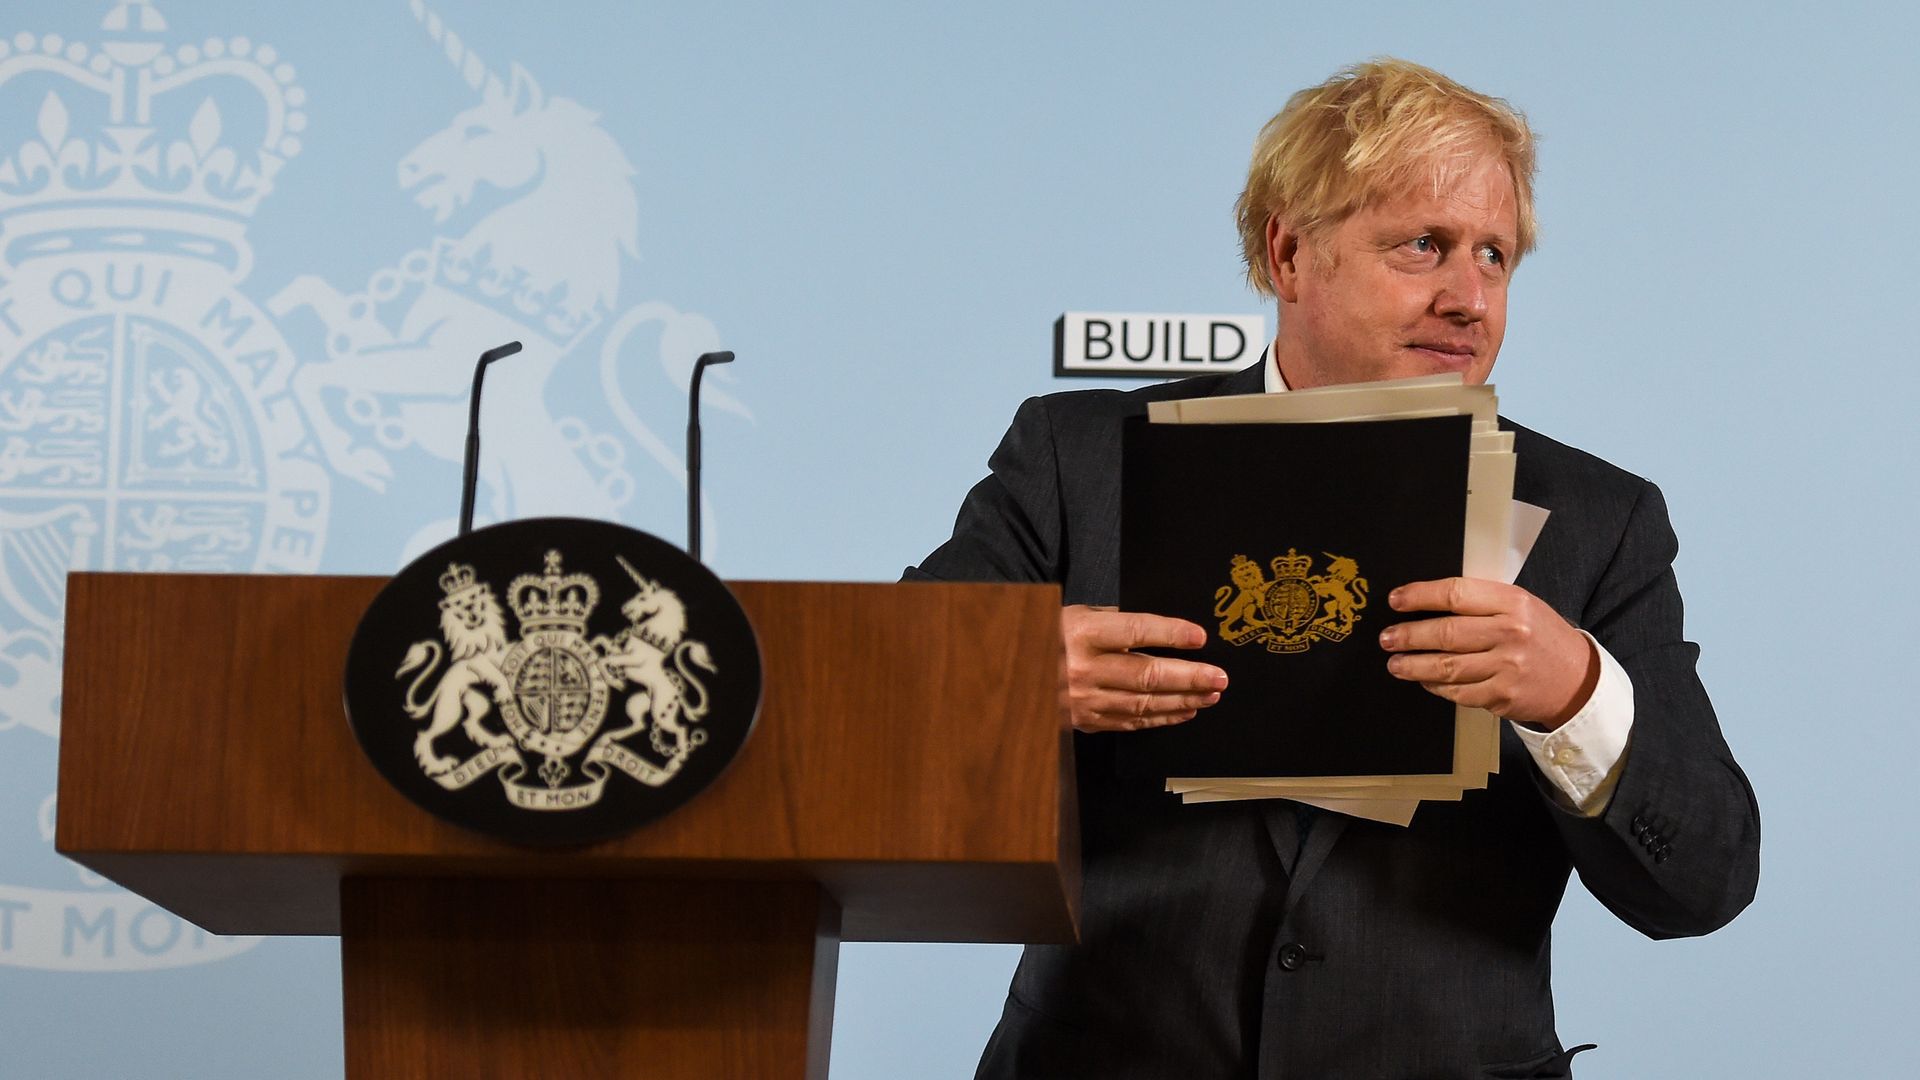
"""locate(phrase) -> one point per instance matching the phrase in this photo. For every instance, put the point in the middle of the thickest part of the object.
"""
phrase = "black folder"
(1283, 541)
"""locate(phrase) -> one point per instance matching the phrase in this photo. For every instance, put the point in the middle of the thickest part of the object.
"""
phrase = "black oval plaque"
(553, 680)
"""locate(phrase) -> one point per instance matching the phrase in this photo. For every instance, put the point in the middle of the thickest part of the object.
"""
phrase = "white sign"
(1120, 344)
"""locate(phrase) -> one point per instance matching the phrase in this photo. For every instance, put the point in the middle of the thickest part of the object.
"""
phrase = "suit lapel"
(1251, 379)
(1300, 858)
(1325, 831)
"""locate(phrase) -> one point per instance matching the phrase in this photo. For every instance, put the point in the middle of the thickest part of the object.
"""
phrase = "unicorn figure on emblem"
(640, 654)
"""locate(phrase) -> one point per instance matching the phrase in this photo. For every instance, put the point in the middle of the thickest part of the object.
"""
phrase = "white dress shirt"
(1581, 757)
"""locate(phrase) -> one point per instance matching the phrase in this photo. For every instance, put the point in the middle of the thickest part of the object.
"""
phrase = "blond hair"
(1375, 130)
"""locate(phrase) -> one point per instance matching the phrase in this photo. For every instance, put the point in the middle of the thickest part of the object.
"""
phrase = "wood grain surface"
(909, 757)
(661, 980)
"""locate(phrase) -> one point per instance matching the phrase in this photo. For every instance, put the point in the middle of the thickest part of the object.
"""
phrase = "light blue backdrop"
(881, 208)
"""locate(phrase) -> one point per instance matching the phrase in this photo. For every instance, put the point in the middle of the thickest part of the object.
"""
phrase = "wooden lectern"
(910, 779)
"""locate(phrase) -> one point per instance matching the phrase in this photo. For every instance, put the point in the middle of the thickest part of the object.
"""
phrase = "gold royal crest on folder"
(1294, 608)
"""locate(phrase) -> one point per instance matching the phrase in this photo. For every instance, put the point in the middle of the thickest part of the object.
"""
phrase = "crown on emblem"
(458, 580)
(552, 601)
(197, 127)
(1292, 564)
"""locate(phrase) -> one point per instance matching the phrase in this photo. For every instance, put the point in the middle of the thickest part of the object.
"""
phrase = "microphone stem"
(470, 475)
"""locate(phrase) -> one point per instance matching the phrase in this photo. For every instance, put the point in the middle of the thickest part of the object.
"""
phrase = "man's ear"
(1285, 252)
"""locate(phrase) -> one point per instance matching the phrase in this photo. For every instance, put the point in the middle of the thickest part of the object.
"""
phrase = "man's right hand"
(1107, 687)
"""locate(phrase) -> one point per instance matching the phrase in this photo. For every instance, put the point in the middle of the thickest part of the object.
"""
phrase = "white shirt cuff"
(1582, 757)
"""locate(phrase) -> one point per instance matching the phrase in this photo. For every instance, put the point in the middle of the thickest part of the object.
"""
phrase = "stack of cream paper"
(1499, 532)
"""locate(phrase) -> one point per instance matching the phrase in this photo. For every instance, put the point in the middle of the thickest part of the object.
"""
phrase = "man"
(1385, 213)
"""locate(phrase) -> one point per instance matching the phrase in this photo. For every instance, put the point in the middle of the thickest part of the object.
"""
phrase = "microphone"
(471, 477)
(693, 447)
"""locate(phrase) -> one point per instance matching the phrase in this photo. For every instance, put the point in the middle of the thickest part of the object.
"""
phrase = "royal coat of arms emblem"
(607, 722)
(1294, 608)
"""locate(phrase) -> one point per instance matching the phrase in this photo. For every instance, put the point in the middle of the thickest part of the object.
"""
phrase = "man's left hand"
(1500, 648)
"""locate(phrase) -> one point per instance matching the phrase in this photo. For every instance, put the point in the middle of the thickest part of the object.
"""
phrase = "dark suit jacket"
(1214, 943)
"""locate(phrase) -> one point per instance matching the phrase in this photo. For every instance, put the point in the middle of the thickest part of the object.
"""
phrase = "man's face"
(1413, 285)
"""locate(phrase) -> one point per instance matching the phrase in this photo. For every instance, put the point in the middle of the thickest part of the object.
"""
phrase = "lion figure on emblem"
(1240, 616)
(654, 655)
(1343, 592)
(475, 629)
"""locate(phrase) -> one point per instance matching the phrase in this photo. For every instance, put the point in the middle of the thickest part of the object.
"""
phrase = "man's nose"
(1463, 291)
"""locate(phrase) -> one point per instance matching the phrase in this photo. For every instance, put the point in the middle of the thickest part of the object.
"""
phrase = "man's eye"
(1421, 244)
(1492, 256)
